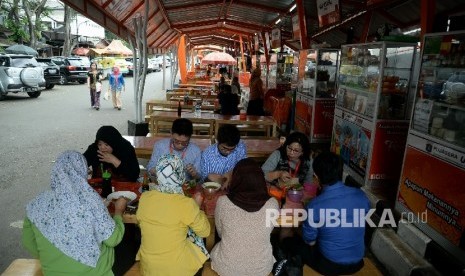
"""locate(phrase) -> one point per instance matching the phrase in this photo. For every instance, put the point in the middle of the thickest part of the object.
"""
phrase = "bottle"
(145, 183)
(179, 109)
(198, 109)
(106, 184)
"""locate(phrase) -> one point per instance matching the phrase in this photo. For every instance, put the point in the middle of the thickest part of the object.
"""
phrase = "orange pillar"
(182, 59)
(428, 8)
(242, 54)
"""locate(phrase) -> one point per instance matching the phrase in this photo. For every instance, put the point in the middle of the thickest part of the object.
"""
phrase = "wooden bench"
(23, 267)
(369, 269)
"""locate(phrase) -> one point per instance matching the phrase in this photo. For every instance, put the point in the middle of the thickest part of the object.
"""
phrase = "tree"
(34, 10)
(14, 22)
(68, 44)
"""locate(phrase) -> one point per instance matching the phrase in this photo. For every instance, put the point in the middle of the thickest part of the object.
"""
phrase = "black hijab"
(248, 187)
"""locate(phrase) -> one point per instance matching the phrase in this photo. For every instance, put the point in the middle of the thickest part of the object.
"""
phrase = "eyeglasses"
(289, 148)
(223, 148)
(180, 143)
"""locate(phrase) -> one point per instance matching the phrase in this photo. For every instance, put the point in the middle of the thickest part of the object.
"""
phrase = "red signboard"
(437, 187)
(324, 116)
(388, 150)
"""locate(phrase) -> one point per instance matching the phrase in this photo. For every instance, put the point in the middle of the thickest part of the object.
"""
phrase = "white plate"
(127, 194)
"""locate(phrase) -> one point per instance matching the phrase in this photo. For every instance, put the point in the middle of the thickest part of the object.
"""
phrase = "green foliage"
(19, 33)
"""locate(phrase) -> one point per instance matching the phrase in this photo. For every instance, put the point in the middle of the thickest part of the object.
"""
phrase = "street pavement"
(33, 132)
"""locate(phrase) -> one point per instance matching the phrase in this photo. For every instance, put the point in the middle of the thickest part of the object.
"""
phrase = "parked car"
(154, 64)
(167, 61)
(51, 72)
(130, 67)
(20, 73)
(72, 69)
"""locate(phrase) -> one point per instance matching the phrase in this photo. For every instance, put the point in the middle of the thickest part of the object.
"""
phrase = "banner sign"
(328, 12)
(295, 27)
(276, 38)
(429, 184)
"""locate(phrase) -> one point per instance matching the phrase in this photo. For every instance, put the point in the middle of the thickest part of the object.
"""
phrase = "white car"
(154, 65)
(160, 60)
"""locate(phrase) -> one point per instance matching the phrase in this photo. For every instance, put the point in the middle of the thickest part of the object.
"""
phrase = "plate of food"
(126, 194)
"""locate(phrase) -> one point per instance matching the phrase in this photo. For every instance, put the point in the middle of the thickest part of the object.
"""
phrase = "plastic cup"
(242, 115)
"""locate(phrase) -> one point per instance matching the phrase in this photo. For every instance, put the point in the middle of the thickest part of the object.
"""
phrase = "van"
(106, 64)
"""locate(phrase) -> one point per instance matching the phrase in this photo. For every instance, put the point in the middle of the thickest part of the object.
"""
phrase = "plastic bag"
(106, 97)
(98, 87)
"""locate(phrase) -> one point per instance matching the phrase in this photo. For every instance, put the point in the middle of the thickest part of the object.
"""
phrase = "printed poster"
(352, 143)
(437, 187)
(324, 117)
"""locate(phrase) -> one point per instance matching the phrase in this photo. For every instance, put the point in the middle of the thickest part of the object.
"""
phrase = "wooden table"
(189, 85)
(144, 145)
(151, 104)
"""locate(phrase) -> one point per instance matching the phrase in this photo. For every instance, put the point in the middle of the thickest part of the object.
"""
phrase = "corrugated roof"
(224, 20)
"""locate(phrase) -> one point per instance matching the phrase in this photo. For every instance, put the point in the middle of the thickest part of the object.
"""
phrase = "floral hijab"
(71, 215)
(171, 176)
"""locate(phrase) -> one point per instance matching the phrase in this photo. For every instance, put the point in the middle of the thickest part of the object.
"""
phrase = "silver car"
(20, 73)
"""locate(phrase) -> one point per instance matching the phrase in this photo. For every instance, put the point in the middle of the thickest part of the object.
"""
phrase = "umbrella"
(219, 58)
(21, 49)
(80, 51)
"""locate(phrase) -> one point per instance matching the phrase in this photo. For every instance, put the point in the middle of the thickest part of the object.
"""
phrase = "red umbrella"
(219, 58)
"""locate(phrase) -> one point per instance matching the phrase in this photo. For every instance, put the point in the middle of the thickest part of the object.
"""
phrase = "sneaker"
(119, 108)
(97, 108)
(279, 267)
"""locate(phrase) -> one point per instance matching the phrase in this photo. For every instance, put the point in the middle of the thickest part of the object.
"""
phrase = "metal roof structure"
(222, 22)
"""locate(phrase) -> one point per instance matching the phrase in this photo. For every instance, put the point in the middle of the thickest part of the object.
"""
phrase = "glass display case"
(433, 173)
(370, 118)
(315, 97)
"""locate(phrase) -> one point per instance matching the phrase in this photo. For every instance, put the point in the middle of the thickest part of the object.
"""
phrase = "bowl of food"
(211, 188)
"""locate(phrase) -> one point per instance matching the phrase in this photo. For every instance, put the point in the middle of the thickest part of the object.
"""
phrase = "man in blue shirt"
(219, 160)
(335, 228)
(179, 144)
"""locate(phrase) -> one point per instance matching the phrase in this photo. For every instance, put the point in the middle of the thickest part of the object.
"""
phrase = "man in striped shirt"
(219, 160)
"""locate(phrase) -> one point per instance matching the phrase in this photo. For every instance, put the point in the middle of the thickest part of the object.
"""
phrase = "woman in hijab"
(240, 218)
(112, 152)
(116, 85)
(256, 95)
(68, 228)
(172, 225)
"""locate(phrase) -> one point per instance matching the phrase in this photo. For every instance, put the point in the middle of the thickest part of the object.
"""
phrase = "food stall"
(433, 173)
(370, 118)
(315, 97)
